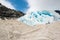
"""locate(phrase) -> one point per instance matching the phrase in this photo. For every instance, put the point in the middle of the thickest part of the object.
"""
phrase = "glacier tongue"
(34, 18)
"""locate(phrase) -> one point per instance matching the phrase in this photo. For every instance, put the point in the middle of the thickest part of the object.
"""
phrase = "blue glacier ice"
(38, 17)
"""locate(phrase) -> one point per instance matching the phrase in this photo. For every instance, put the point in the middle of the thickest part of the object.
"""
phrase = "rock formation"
(57, 11)
(9, 13)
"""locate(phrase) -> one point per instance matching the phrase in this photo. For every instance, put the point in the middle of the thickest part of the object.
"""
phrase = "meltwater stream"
(38, 17)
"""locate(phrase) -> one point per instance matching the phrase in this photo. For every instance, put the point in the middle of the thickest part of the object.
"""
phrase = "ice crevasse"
(37, 17)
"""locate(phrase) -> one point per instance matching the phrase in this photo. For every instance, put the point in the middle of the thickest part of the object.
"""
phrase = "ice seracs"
(38, 17)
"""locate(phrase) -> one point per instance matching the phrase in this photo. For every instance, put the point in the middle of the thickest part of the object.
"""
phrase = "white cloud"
(7, 4)
(43, 5)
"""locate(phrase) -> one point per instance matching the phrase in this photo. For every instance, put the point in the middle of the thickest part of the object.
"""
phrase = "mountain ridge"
(9, 13)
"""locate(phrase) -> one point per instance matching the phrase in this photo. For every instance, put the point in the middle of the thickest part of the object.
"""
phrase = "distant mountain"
(9, 13)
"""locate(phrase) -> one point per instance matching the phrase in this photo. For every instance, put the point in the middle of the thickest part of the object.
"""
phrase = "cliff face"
(9, 13)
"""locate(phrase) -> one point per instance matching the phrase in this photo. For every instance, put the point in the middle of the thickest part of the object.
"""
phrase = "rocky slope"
(9, 13)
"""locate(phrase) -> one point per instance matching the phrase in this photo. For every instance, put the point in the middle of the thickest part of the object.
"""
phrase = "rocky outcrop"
(9, 13)
(57, 11)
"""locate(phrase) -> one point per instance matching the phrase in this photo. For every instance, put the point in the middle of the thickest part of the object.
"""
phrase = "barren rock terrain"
(15, 30)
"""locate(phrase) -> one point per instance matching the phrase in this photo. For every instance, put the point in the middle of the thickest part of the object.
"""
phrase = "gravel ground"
(14, 30)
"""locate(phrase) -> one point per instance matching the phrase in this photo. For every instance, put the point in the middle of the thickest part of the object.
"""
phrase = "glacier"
(38, 17)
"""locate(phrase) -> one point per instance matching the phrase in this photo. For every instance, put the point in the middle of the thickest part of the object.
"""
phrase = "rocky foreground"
(15, 30)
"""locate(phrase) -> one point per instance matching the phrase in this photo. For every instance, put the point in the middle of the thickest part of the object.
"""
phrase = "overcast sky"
(43, 5)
